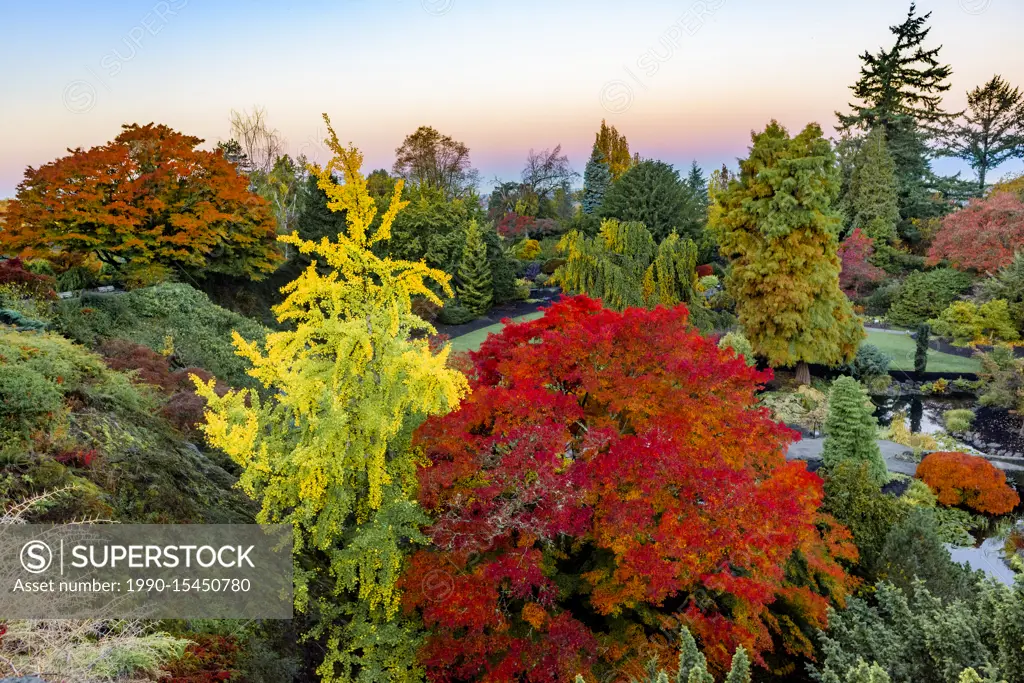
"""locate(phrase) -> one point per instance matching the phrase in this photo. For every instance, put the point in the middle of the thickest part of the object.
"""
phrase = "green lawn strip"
(473, 340)
(901, 348)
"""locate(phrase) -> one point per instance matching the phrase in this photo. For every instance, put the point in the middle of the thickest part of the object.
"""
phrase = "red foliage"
(208, 659)
(858, 273)
(12, 272)
(610, 475)
(514, 226)
(705, 270)
(77, 457)
(962, 479)
(184, 407)
(148, 197)
(983, 236)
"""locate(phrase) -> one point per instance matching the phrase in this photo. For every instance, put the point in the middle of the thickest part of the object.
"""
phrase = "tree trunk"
(803, 373)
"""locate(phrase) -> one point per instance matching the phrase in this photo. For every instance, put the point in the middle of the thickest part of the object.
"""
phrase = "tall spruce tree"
(851, 432)
(777, 225)
(874, 192)
(991, 131)
(596, 179)
(698, 185)
(476, 287)
(900, 90)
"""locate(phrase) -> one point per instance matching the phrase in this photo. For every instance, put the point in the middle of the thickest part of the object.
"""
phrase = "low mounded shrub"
(969, 480)
(958, 420)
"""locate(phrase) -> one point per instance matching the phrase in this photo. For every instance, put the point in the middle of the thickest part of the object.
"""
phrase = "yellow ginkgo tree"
(328, 450)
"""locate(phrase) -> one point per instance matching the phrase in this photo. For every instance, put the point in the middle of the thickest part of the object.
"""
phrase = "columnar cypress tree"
(874, 191)
(596, 179)
(851, 432)
(921, 352)
(776, 222)
(476, 288)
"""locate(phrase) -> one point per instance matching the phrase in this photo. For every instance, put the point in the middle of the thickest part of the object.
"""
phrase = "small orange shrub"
(961, 479)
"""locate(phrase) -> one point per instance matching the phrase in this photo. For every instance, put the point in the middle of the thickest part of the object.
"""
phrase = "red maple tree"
(147, 199)
(610, 476)
(858, 273)
(983, 236)
(962, 479)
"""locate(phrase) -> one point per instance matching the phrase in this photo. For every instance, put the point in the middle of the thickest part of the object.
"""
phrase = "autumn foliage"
(610, 476)
(858, 273)
(149, 200)
(983, 236)
(962, 479)
(13, 272)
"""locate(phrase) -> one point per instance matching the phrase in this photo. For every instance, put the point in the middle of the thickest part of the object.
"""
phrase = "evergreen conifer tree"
(596, 179)
(652, 193)
(739, 672)
(900, 90)
(851, 432)
(874, 191)
(476, 288)
(777, 225)
(698, 185)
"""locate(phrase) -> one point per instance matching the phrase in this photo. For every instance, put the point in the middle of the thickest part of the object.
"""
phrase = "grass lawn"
(473, 340)
(901, 348)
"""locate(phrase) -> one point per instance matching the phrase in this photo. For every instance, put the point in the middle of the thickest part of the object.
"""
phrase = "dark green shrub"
(853, 496)
(455, 313)
(881, 300)
(926, 295)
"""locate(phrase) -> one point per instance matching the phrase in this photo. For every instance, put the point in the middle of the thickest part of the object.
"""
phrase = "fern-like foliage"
(328, 451)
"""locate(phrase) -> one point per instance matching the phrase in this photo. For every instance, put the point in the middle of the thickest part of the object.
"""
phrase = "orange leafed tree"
(962, 479)
(983, 236)
(149, 199)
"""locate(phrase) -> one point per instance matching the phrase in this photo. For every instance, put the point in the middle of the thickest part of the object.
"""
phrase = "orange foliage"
(147, 199)
(962, 479)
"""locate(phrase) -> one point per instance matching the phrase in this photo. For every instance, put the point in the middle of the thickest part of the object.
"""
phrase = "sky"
(682, 79)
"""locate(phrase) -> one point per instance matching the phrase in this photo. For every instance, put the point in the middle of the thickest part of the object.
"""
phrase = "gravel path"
(810, 449)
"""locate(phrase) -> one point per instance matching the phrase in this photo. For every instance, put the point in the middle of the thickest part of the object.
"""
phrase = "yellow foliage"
(324, 451)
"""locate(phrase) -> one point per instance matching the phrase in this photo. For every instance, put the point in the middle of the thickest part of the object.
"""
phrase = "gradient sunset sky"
(682, 80)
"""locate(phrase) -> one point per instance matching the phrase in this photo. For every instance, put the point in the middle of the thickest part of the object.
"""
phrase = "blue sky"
(682, 79)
